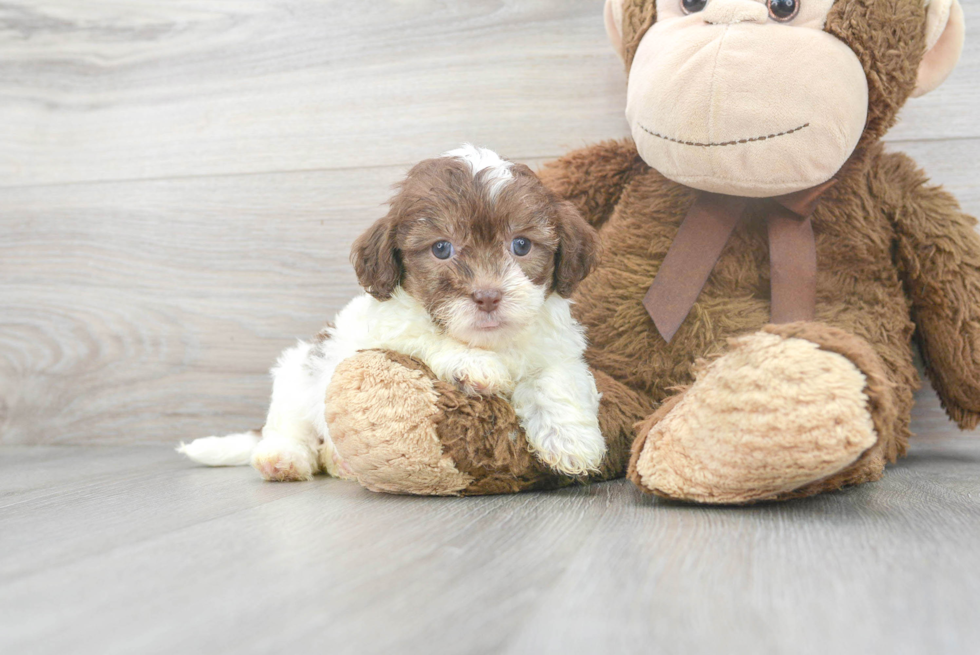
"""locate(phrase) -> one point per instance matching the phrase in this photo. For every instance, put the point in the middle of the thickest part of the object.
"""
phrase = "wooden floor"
(179, 185)
(132, 550)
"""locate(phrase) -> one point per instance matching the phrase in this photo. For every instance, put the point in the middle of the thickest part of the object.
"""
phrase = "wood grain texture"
(108, 90)
(104, 90)
(122, 550)
(180, 181)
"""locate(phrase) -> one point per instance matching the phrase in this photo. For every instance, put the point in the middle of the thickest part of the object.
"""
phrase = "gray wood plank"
(28, 472)
(107, 91)
(331, 561)
(217, 561)
(95, 501)
(102, 90)
(131, 310)
(886, 568)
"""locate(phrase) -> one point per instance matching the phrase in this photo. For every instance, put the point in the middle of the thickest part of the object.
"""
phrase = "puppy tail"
(233, 450)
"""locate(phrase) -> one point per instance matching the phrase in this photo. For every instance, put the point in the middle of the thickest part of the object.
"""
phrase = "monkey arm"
(938, 254)
(593, 178)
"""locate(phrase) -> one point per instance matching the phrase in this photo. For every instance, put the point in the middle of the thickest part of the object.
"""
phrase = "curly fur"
(486, 319)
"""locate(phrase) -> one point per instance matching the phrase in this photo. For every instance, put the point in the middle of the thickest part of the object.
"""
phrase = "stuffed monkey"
(766, 268)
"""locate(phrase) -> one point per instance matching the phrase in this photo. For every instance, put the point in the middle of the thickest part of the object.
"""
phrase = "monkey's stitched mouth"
(726, 143)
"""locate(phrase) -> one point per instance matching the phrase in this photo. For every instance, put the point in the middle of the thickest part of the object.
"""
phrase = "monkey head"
(760, 98)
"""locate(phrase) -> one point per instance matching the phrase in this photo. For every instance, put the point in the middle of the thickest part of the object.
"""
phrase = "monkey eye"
(692, 6)
(443, 250)
(784, 10)
(520, 246)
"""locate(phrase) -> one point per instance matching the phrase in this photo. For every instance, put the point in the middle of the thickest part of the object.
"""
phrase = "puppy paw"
(570, 449)
(279, 459)
(331, 462)
(485, 376)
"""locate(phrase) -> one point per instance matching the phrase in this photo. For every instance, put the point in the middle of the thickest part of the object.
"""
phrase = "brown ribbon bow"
(702, 237)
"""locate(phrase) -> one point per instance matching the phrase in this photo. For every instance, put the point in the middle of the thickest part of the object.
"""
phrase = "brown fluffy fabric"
(382, 413)
(877, 239)
(638, 17)
(880, 391)
(897, 260)
(497, 459)
(594, 179)
(937, 252)
(619, 411)
(381, 430)
(643, 430)
(772, 415)
(889, 39)
(483, 437)
(881, 403)
(889, 249)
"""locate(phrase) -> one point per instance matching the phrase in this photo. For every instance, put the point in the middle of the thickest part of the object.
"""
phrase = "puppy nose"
(487, 299)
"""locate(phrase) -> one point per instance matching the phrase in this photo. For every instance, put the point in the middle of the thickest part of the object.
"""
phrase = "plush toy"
(767, 266)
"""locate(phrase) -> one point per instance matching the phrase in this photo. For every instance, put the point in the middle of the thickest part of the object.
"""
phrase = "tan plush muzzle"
(744, 107)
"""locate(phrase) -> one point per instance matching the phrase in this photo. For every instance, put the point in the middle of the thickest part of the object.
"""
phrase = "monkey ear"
(945, 32)
(578, 249)
(376, 259)
(614, 26)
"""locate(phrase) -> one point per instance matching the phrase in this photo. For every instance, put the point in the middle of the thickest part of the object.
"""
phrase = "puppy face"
(480, 242)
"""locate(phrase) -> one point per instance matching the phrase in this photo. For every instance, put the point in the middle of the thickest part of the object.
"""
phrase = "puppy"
(470, 272)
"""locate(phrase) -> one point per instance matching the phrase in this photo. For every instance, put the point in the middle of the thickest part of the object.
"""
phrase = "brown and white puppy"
(470, 272)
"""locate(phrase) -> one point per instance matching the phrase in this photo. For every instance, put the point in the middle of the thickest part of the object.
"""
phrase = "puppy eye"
(784, 10)
(443, 250)
(693, 6)
(520, 246)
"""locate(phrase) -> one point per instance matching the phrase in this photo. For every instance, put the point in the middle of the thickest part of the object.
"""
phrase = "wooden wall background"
(180, 181)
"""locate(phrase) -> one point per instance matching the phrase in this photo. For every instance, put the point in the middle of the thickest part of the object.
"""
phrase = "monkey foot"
(785, 412)
(398, 429)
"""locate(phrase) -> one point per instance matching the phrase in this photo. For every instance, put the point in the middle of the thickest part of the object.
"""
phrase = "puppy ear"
(578, 249)
(376, 259)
